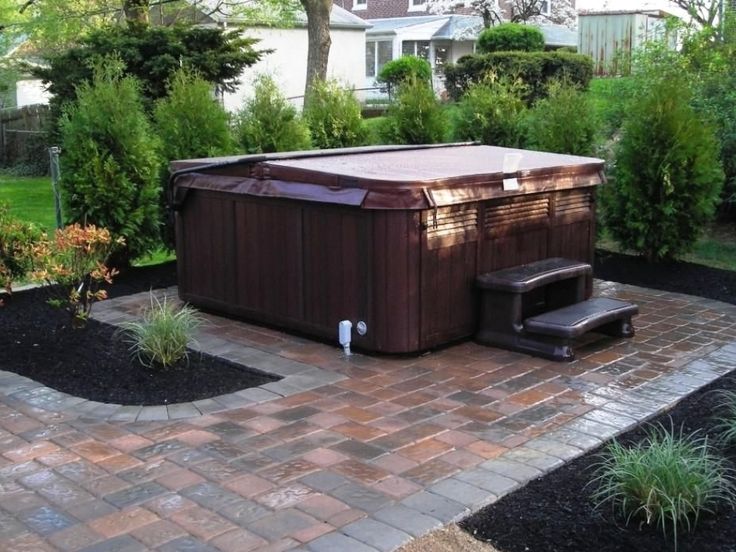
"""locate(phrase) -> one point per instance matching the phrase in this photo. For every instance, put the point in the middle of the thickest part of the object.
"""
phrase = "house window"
(360, 4)
(544, 7)
(441, 56)
(417, 5)
(419, 48)
(377, 54)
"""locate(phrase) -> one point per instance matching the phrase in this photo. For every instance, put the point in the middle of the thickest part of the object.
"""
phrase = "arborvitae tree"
(111, 161)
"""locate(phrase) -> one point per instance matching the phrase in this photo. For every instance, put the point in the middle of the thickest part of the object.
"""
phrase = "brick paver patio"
(358, 454)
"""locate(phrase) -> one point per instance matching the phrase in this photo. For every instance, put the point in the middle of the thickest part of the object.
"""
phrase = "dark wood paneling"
(448, 306)
(305, 266)
(395, 295)
(209, 252)
(337, 274)
(268, 250)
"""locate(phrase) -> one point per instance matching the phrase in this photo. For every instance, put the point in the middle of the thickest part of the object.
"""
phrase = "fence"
(23, 136)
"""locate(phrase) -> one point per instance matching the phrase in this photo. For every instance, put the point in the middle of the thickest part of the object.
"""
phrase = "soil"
(677, 276)
(556, 512)
(37, 341)
(447, 539)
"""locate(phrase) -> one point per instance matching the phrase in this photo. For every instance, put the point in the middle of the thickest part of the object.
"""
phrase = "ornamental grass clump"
(726, 419)
(162, 337)
(667, 481)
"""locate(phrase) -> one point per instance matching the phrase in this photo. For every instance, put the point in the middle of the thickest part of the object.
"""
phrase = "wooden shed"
(394, 237)
(610, 37)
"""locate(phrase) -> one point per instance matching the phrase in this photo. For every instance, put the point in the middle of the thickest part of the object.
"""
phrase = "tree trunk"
(318, 31)
(136, 12)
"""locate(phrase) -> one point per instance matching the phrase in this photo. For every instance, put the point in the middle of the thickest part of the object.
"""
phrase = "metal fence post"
(55, 174)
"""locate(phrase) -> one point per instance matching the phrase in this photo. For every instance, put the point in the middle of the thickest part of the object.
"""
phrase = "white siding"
(287, 64)
(30, 92)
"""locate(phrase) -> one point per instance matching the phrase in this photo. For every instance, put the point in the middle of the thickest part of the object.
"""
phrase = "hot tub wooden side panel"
(303, 266)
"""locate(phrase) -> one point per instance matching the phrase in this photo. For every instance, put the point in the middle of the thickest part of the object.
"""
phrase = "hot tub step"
(609, 316)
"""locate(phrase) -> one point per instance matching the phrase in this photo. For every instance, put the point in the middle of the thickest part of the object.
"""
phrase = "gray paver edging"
(456, 497)
(296, 377)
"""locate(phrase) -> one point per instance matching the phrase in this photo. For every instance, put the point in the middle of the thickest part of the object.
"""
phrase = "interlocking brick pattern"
(342, 454)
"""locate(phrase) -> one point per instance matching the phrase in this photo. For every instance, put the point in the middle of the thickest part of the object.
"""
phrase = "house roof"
(464, 27)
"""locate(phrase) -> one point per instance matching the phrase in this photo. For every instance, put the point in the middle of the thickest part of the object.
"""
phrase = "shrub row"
(535, 69)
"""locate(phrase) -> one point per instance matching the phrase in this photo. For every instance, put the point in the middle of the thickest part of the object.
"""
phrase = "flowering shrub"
(16, 240)
(72, 266)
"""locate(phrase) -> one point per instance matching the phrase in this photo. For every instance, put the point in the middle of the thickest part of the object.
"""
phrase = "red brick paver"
(285, 472)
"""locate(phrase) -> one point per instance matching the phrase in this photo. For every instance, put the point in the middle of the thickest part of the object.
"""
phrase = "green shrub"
(509, 37)
(332, 114)
(152, 54)
(403, 69)
(609, 97)
(190, 122)
(536, 69)
(415, 117)
(110, 162)
(563, 122)
(667, 173)
(492, 112)
(16, 243)
(268, 123)
(161, 338)
(666, 481)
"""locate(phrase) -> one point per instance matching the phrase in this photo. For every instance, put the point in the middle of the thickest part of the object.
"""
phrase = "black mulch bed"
(678, 276)
(555, 512)
(37, 341)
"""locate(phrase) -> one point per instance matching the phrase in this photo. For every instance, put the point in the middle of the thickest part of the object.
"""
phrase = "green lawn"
(717, 247)
(31, 199)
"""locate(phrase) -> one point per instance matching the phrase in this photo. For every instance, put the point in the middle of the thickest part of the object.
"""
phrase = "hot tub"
(391, 236)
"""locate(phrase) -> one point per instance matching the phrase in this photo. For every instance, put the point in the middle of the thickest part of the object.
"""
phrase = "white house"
(287, 63)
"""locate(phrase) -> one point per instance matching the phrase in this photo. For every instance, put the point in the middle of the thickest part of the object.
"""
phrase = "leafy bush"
(72, 267)
(332, 114)
(268, 123)
(415, 117)
(509, 37)
(535, 69)
(666, 481)
(492, 112)
(161, 338)
(153, 55)
(667, 175)
(16, 242)
(110, 162)
(403, 69)
(563, 122)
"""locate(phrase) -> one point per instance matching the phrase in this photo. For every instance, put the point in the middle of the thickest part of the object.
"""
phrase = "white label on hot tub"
(510, 166)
